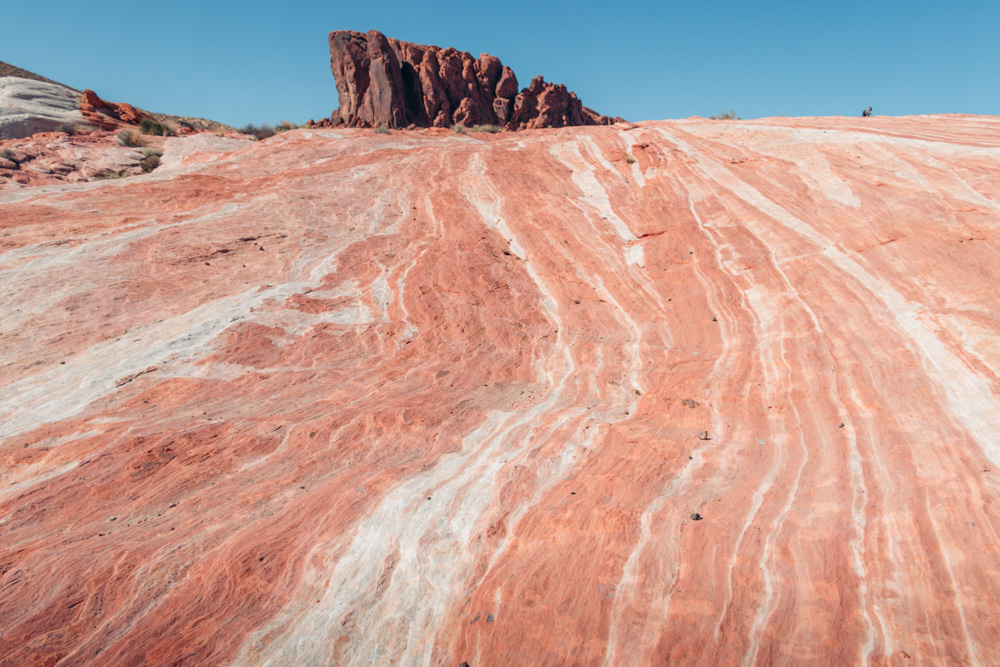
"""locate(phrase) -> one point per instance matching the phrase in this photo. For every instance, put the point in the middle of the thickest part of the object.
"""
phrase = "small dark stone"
(696, 517)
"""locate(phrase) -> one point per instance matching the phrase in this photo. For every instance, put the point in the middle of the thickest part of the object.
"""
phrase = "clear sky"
(255, 62)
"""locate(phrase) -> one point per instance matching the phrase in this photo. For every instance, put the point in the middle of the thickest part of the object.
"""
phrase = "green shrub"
(10, 155)
(258, 133)
(459, 129)
(382, 130)
(131, 138)
(150, 126)
(726, 115)
(492, 129)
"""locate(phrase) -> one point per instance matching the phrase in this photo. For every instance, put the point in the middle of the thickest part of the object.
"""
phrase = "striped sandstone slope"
(689, 391)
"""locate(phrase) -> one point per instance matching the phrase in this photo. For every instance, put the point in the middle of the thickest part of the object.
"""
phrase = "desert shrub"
(131, 138)
(492, 129)
(459, 129)
(150, 162)
(258, 133)
(8, 154)
(112, 175)
(150, 126)
(726, 115)
(382, 130)
(629, 158)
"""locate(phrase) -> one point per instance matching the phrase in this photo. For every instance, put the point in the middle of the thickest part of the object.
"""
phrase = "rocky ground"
(57, 157)
(676, 392)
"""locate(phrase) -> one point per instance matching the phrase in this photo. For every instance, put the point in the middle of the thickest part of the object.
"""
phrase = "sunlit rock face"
(682, 392)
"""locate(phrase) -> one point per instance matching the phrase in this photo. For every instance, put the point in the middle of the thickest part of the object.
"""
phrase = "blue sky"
(243, 62)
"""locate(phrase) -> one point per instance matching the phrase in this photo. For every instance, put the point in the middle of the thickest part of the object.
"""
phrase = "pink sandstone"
(420, 398)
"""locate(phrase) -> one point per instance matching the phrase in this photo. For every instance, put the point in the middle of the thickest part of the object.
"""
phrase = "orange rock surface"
(108, 115)
(678, 392)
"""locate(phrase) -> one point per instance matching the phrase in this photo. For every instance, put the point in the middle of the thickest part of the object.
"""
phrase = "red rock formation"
(373, 400)
(386, 82)
(108, 115)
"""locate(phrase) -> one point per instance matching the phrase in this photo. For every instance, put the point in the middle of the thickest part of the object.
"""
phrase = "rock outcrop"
(108, 115)
(687, 392)
(28, 107)
(384, 82)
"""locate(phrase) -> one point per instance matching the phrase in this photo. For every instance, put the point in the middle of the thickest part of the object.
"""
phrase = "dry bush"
(726, 115)
(131, 138)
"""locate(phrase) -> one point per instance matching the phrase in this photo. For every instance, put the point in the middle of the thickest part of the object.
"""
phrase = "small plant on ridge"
(150, 126)
(258, 133)
(726, 115)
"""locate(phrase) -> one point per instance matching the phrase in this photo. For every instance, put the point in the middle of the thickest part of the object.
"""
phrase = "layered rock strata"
(108, 115)
(28, 107)
(691, 392)
(389, 83)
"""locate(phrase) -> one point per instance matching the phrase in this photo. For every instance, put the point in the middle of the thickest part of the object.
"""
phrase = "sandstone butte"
(385, 82)
(684, 392)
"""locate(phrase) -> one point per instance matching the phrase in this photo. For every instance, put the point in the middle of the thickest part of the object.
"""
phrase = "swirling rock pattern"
(686, 392)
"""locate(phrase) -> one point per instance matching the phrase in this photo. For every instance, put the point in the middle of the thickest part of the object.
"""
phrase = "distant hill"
(6, 69)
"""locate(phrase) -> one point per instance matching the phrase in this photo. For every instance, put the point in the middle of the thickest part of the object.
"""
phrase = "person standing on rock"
(867, 112)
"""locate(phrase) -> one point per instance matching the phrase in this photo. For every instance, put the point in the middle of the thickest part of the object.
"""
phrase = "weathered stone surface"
(48, 158)
(28, 107)
(108, 115)
(388, 83)
(342, 398)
